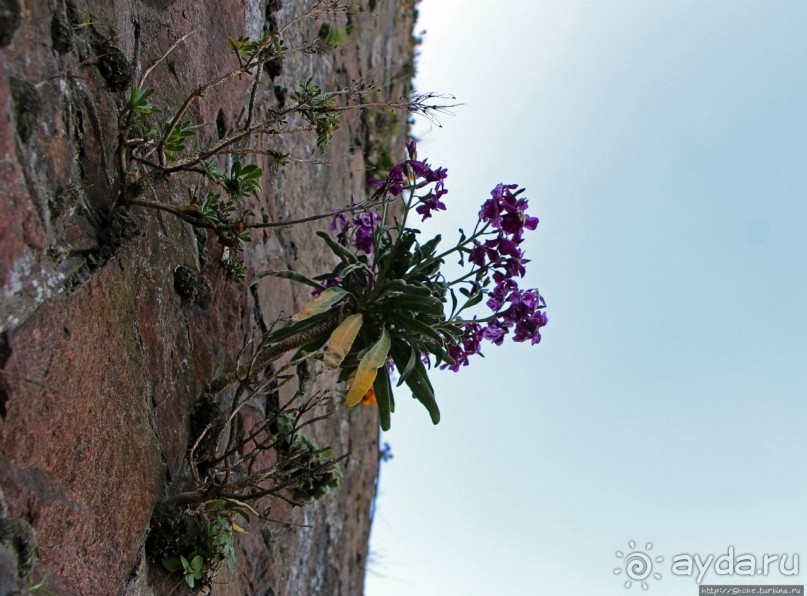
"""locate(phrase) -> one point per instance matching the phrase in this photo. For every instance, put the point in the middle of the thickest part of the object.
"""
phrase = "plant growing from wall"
(197, 542)
(234, 468)
(388, 305)
(155, 144)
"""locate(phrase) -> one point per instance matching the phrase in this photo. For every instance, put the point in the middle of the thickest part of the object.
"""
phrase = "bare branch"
(165, 55)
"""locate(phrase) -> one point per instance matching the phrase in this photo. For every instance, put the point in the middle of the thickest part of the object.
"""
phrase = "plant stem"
(201, 223)
(276, 350)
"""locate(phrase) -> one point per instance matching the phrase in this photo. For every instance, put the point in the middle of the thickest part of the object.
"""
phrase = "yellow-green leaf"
(341, 340)
(365, 376)
(377, 355)
(238, 528)
(366, 373)
(321, 303)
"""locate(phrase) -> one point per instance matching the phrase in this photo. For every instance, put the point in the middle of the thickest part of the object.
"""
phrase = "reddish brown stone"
(103, 358)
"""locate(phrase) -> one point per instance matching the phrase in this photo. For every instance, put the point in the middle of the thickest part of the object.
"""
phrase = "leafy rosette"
(387, 308)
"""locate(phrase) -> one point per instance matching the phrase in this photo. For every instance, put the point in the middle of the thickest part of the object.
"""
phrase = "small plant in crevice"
(156, 144)
(228, 459)
(331, 37)
(238, 463)
(196, 542)
(308, 455)
(37, 586)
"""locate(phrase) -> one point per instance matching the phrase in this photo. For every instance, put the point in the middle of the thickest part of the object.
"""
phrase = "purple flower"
(458, 355)
(490, 210)
(429, 203)
(506, 212)
(437, 175)
(421, 169)
(528, 328)
(494, 303)
(504, 247)
(341, 223)
(515, 267)
(364, 240)
(407, 174)
(494, 333)
(412, 148)
(512, 224)
(393, 185)
(468, 344)
(365, 227)
(478, 254)
(361, 227)
(504, 285)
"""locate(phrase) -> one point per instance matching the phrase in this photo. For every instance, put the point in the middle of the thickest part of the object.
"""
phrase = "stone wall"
(102, 358)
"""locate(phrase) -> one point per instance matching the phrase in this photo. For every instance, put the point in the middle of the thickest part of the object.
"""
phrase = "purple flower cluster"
(359, 228)
(493, 250)
(469, 344)
(506, 212)
(414, 174)
(524, 316)
(514, 309)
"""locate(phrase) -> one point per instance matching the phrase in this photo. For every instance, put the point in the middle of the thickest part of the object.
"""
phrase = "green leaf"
(428, 248)
(473, 301)
(413, 324)
(377, 355)
(243, 180)
(172, 564)
(420, 304)
(175, 142)
(285, 274)
(383, 397)
(417, 381)
(354, 267)
(439, 352)
(417, 290)
(197, 562)
(294, 328)
(452, 331)
(308, 349)
(339, 250)
(398, 259)
(410, 365)
(397, 287)
(138, 100)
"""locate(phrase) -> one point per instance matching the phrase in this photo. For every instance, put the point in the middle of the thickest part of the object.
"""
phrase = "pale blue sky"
(663, 145)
